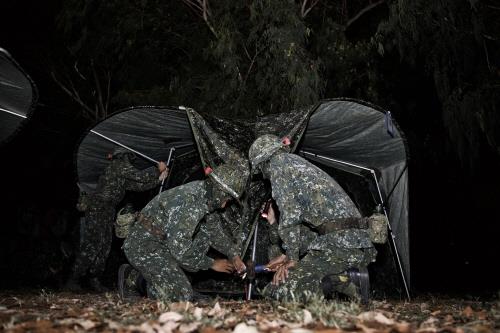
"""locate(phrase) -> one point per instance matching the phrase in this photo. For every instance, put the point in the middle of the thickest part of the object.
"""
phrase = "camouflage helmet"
(263, 148)
(230, 178)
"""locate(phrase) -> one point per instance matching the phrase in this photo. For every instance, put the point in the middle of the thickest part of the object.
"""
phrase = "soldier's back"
(302, 186)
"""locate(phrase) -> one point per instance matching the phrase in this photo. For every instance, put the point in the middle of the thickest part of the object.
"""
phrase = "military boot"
(361, 279)
(353, 283)
(130, 282)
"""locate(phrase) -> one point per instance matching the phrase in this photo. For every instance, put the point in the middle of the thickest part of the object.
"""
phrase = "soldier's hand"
(238, 264)
(223, 266)
(163, 175)
(282, 272)
(270, 215)
(162, 166)
(275, 263)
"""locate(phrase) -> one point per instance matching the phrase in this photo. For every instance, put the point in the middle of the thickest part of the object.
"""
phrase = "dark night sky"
(454, 237)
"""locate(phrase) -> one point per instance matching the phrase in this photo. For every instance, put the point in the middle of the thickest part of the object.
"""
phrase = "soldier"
(307, 199)
(171, 235)
(119, 176)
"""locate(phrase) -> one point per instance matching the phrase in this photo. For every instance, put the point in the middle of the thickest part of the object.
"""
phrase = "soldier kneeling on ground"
(169, 237)
(307, 198)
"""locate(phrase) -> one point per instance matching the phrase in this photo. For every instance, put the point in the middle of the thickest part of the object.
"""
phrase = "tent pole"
(392, 236)
(13, 113)
(126, 147)
(393, 242)
(172, 150)
(254, 248)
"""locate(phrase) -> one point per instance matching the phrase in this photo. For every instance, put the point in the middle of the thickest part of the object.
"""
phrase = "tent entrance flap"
(352, 166)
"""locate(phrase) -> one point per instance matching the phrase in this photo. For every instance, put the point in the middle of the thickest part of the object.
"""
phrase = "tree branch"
(304, 10)
(363, 11)
(88, 112)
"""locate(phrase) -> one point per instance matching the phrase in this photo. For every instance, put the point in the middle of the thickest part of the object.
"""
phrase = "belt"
(342, 224)
(150, 227)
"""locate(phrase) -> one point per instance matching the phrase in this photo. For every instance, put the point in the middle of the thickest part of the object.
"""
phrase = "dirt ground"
(46, 311)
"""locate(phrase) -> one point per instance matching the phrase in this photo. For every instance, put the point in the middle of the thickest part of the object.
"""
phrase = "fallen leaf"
(84, 323)
(198, 313)
(448, 320)
(308, 319)
(435, 313)
(375, 317)
(468, 312)
(147, 328)
(266, 325)
(231, 321)
(208, 330)
(169, 326)
(216, 311)
(113, 325)
(170, 316)
(366, 329)
(482, 315)
(188, 328)
(403, 327)
(244, 328)
(429, 323)
(300, 330)
(180, 306)
(424, 307)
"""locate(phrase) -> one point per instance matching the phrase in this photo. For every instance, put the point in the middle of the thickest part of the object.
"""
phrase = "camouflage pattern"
(186, 234)
(304, 194)
(231, 179)
(306, 277)
(124, 220)
(96, 232)
(307, 198)
(331, 254)
(378, 229)
(263, 148)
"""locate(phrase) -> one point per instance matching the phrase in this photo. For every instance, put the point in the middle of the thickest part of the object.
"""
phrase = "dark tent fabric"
(151, 131)
(18, 95)
(224, 140)
(337, 134)
(344, 134)
(346, 130)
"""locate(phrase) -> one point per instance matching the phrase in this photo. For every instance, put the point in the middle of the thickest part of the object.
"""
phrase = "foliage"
(236, 58)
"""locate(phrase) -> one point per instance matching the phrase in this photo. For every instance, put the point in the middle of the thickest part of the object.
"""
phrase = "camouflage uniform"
(172, 236)
(307, 197)
(97, 228)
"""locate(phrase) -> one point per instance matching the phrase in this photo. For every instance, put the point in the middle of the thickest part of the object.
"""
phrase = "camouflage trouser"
(166, 281)
(307, 275)
(95, 240)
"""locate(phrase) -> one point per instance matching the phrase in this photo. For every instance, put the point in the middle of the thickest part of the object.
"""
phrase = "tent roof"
(18, 95)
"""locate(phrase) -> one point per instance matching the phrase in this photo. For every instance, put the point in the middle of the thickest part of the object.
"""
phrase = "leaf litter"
(43, 311)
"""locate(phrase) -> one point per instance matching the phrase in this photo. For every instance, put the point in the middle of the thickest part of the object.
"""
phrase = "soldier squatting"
(320, 243)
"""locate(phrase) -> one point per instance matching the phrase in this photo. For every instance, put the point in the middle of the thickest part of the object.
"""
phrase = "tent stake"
(392, 237)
